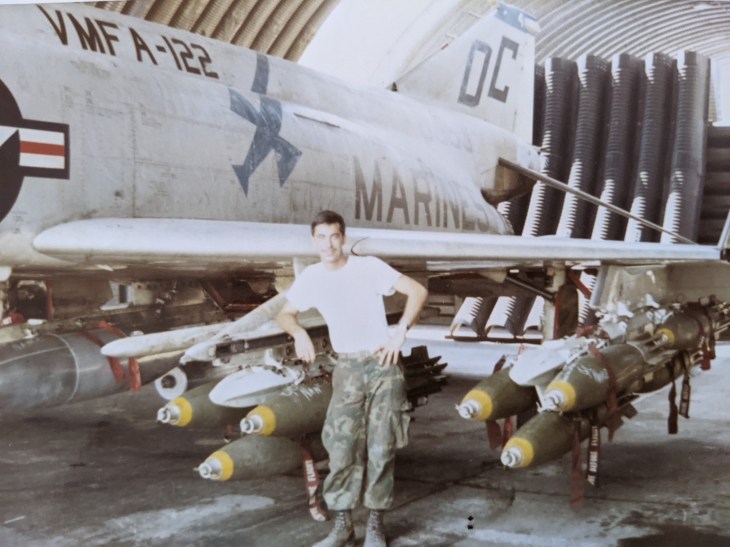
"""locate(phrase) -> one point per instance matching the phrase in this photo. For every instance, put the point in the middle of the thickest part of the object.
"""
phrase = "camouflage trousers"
(366, 421)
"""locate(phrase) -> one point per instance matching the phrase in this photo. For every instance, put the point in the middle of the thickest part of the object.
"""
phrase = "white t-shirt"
(350, 299)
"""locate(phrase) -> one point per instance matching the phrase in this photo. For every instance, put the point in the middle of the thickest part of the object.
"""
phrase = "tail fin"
(487, 72)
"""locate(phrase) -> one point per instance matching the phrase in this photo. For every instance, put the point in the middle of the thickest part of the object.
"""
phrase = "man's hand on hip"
(388, 354)
(304, 347)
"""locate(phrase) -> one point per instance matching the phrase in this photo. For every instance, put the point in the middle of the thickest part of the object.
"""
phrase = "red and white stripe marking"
(38, 148)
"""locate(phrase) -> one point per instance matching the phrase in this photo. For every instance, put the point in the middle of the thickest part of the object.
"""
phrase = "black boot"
(342, 534)
(375, 533)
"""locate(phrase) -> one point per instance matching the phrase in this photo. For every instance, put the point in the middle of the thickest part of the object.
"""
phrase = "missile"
(585, 383)
(195, 408)
(265, 313)
(160, 342)
(237, 346)
(301, 409)
(495, 397)
(254, 456)
(55, 369)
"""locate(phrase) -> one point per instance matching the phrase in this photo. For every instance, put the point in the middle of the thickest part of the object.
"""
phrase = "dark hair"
(328, 217)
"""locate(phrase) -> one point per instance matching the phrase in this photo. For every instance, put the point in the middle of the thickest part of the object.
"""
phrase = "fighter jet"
(157, 187)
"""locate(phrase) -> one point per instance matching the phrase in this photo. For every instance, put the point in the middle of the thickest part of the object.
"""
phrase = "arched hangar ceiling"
(605, 27)
(569, 27)
(277, 27)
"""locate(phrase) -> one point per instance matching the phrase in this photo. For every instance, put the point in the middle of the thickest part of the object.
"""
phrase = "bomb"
(194, 408)
(661, 376)
(586, 382)
(684, 331)
(254, 456)
(300, 410)
(547, 436)
(495, 397)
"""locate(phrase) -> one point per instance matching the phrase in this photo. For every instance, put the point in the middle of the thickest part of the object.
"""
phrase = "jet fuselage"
(106, 116)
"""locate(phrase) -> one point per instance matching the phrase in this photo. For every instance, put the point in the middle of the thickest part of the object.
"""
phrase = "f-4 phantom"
(156, 189)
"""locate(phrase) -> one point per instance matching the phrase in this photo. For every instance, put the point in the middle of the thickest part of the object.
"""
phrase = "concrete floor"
(104, 473)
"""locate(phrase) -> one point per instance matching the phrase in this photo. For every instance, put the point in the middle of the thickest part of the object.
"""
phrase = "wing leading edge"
(119, 242)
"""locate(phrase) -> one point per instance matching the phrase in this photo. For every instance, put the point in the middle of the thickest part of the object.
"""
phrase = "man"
(366, 414)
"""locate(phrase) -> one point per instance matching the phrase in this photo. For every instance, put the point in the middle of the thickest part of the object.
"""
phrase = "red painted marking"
(29, 147)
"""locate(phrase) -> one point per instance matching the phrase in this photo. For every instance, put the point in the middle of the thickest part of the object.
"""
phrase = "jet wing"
(181, 243)
(467, 251)
(196, 244)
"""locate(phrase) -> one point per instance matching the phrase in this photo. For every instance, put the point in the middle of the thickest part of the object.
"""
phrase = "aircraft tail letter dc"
(486, 72)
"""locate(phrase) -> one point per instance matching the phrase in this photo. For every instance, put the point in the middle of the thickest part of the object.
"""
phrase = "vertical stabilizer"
(487, 72)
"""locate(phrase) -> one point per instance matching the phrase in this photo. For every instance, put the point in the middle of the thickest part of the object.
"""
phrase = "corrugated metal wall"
(277, 27)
